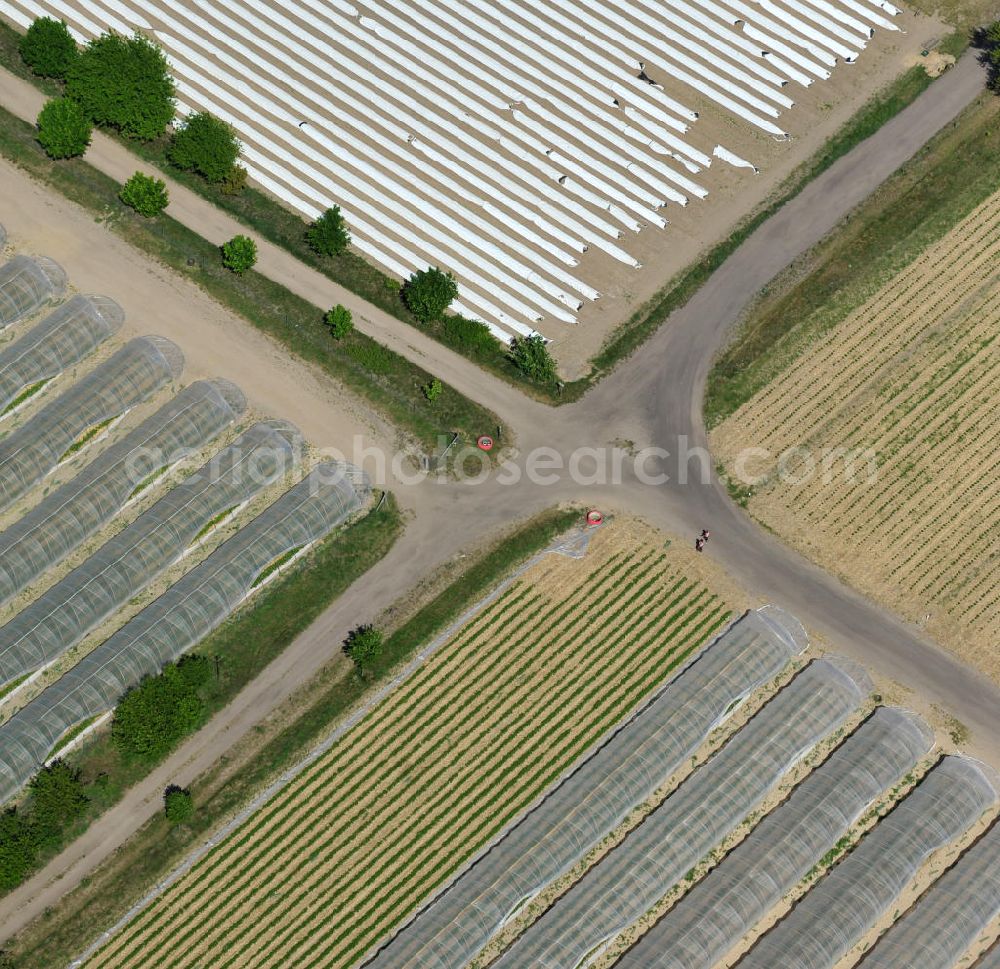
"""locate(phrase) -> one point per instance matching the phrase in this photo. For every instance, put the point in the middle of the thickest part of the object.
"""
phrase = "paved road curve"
(655, 396)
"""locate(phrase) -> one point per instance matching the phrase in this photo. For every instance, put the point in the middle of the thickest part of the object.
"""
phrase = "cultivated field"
(358, 840)
(909, 384)
(539, 174)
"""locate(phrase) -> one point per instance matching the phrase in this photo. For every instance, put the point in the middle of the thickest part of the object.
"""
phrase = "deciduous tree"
(205, 144)
(63, 129)
(123, 83)
(48, 48)
(428, 293)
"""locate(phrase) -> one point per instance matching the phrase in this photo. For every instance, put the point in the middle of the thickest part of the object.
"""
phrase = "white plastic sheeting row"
(26, 284)
(677, 835)
(597, 796)
(848, 902)
(497, 139)
(732, 898)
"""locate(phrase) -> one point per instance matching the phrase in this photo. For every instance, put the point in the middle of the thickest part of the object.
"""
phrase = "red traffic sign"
(485, 443)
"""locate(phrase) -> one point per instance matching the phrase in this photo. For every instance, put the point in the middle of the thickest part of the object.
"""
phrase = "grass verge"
(99, 901)
(919, 204)
(244, 645)
(284, 228)
(386, 380)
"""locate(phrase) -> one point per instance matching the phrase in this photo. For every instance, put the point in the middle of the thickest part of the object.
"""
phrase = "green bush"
(988, 40)
(123, 83)
(206, 145)
(57, 799)
(178, 805)
(48, 48)
(155, 715)
(329, 235)
(234, 181)
(363, 645)
(531, 356)
(146, 194)
(63, 129)
(340, 321)
(471, 337)
(428, 293)
(433, 390)
(239, 254)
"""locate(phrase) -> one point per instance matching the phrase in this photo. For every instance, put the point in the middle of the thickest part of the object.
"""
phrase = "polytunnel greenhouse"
(64, 519)
(597, 796)
(26, 284)
(844, 905)
(178, 619)
(67, 335)
(132, 375)
(3, 237)
(627, 882)
(129, 561)
(732, 898)
(956, 910)
(991, 960)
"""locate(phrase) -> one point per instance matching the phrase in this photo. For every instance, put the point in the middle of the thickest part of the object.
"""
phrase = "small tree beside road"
(63, 129)
(239, 255)
(145, 194)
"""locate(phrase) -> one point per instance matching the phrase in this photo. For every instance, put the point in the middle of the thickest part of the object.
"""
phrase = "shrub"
(178, 805)
(48, 48)
(340, 321)
(531, 356)
(428, 293)
(472, 337)
(363, 645)
(57, 799)
(63, 129)
(207, 145)
(433, 390)
(239, 254)
(234, 181)
(146, 194)
(988, 39)
(18, 848)
(329, 235)
(123, 83)
(153, 716)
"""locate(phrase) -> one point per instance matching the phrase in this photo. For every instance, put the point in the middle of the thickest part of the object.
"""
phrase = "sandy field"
(879, 446)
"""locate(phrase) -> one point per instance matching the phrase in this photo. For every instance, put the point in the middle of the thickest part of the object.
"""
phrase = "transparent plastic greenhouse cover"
(64, 519)
(63, 338)
(132, 375)
(627, 882)
(596, 797)
(847, 902)
(129, 561)
(732, 898)
(991, 960)
(178, 619)
(959, 906)
(27, 284)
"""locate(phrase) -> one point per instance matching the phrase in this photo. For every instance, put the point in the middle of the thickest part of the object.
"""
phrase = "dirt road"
(652, 399)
